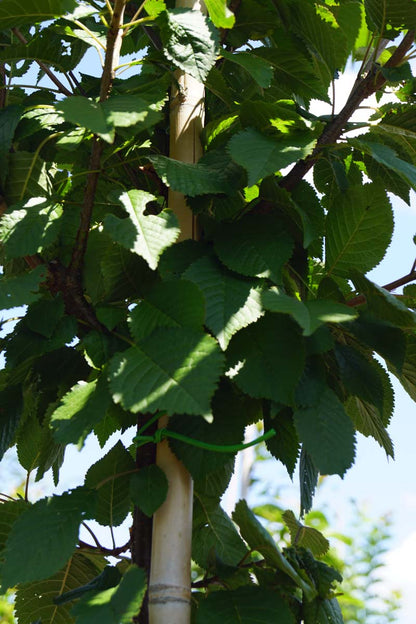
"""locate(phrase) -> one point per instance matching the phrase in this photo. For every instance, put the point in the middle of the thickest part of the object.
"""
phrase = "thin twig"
(112, 56)
(106, 551)
(62, 88)
(362, 89)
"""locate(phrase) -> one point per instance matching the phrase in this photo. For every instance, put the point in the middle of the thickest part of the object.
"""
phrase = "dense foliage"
(268, 316)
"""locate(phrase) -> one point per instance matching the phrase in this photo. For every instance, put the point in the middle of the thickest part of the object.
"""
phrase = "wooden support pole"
(170, 576)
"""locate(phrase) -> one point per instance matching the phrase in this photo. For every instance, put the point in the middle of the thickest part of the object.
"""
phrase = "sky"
(377, 484)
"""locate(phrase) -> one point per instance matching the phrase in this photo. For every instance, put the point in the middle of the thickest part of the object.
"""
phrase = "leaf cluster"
(267, 318)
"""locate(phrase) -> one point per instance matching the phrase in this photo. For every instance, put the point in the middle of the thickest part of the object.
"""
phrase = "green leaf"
(55, 523)
(367, 420)
(327, 433)
(383, 337)
(10, 412)
(294, 70)
(110, 477)
(148, 489)
(284, 446)
(359, 227)
(9, 512)
(27, 230)
(86, 113)
(109, 577)
(308, 480)
(258, 538)
(214, 535)
(231, 302)
(382, 304)
(263, 155)
(22, 289)
(323, 612)
(270, 356)
(309, 314)
(9, 118)
(360, 375)
(246, 605)
(189, 41)
(14, 14)
(395, 13)
(117, 605)
(210, 174)
(308, 537)
(259, 69)
(260, 246)
(406, 373)
(175, 369)
(145, 234)
(81, 408)
(387, 157)
(220, 14)
(28, 178)
(36, 599)
(175, 303)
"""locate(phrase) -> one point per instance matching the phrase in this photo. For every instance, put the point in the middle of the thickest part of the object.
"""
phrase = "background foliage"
(268, 317)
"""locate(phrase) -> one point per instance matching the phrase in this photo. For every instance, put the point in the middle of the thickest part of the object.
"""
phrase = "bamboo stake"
(170, 575)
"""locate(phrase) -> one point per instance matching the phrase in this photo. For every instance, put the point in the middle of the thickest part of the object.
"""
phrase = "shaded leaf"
(13, 13)
(327, 433)
(55, 522)
(269, 356)
(110, 477)
(248, 605)
(260, 246)
(22, 289)
(231, 302)
(148, 489)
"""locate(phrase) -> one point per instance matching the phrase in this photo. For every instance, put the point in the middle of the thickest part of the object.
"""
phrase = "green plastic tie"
(161, 434)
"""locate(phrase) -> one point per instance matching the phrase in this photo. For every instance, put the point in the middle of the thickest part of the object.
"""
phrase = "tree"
(262, 311)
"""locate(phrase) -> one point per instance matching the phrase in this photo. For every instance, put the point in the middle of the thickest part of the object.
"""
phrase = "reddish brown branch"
(112, 55)
(62, 88)
(362, 89)
(106, 551)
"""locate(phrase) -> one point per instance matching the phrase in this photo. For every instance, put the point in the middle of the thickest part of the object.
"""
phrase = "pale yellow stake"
(170, 576)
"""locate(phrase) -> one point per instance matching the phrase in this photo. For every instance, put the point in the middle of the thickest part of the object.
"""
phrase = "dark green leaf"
(13, 13)
(176, 303)
(22, 289)
(259, 69)
(231, 302)
(36, 599)
(269, 356)
(262, 155)
(260, 246)
(189, 41)
(284, 446)
(214, 535)
(323, 612)
(327, 433)
(55, 522)
(148, 488)
(246, 605)
(359, 227)
(110, 476)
